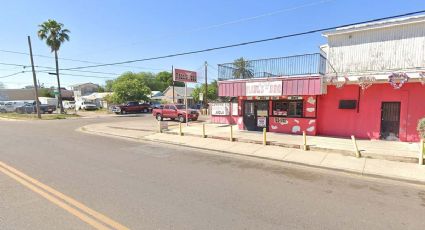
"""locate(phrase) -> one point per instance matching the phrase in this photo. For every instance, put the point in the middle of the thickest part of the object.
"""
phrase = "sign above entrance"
(182, 75)
(264, 88)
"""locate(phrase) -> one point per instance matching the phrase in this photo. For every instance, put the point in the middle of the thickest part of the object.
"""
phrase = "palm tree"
(242, 69)
(54, 34)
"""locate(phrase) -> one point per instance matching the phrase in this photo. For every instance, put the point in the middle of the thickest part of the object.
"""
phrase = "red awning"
(290, 87)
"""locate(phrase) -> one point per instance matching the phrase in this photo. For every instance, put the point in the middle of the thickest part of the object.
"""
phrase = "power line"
(78, 75)
(52, 68)
(13, 74)
(244, 43)
(75, 60)
(235, 21)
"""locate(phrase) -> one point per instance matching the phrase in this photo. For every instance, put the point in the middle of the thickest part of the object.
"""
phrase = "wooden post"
(304, 147)
(421, 151)
(180, 129)
(264, 136)
(356, 148)
(231, 133)
(203, 130)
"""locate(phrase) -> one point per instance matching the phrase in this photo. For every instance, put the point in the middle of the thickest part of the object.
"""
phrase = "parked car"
(87, 106)
(175, 111)
(68, 104)
(32, 108)
(155, 104)
(132, 107)
(10, 107)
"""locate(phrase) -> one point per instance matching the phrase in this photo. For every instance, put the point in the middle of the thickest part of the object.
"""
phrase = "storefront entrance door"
(256, 115)
(390, 120)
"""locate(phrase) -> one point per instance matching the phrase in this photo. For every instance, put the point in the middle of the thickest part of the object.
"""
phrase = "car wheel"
(159, 117)
(181, 119)
(3, 111)
(145, 110)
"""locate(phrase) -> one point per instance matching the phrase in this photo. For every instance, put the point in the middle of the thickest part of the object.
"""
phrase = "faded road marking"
(99, 221)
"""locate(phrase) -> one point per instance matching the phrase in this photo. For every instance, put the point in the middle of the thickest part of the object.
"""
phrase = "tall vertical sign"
(185, 76)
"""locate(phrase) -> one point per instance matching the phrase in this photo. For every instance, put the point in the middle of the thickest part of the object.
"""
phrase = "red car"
(175, 111)
(132, 107)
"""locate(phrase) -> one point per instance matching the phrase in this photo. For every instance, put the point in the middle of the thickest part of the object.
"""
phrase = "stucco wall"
(366, 122)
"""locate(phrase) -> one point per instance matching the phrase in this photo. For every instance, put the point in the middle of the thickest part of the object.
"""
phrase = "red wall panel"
(367, 122)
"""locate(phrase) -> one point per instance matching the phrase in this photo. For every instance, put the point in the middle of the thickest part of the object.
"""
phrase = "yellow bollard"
(264, 136)
(203, 130)
(159, 127)
(231, 133)
(304, 147)
(180, 129)
(356, 148)
(421, 151)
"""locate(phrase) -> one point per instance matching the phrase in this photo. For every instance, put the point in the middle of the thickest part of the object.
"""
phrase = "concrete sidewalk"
(377, 149)
(364, 166)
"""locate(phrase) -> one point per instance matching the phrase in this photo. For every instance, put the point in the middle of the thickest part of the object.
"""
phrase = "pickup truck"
(32, 108)
(132, 107)
(175, 111)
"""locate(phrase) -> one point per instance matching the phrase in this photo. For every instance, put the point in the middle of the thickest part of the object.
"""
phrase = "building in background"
(368, 81)
(167, 95)
(85, 89)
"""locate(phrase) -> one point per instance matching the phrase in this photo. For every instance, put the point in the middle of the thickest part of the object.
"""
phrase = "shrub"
(421, 127)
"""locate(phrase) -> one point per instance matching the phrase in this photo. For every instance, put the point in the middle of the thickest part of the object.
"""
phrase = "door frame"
(381, 134)
(267, 102)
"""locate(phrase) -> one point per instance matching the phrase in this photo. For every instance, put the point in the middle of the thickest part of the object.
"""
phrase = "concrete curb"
(343, 152)
(378, 176)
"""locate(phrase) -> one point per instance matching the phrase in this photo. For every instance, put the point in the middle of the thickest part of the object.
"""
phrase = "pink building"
(368, 81)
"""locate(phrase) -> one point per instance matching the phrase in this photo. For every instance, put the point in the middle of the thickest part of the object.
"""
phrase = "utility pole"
(172, 75)
(34, 78)
(206, 85)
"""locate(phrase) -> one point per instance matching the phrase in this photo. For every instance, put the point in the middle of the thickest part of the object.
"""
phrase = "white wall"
(393, 48)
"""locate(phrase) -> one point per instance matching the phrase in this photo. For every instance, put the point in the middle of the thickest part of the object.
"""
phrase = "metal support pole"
(304, 147)
(231, 133)
(185, 103)
(206, 86)
(356, 148)
(203, 130)
(180, 129)
(264, 136)
(421, 151)
(159, 127)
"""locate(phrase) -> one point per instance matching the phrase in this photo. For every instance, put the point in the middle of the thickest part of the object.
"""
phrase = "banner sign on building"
(262, 122)
(235, 109)
(220, 109)
(264, 88)
(182, 75)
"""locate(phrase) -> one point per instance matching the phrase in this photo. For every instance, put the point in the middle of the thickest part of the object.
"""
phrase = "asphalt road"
(152, 186)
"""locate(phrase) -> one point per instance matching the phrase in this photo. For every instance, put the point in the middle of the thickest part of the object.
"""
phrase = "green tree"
(166, 78)
(212, 91)
(54, 34)
(45, 92)
(129, 87)
(242, 69)
(108, 85)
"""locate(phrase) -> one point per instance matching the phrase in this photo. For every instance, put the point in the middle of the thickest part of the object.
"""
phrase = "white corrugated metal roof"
(376, 25)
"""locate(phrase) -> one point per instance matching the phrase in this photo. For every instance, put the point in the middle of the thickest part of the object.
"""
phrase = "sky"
(110, 31)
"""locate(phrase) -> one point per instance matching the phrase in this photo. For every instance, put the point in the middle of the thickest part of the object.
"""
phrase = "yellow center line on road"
(99, 221)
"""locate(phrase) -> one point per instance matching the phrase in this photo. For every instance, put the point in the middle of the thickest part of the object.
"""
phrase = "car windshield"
(180, 106)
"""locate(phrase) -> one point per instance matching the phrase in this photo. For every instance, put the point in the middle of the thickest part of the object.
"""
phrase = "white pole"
(185, 102)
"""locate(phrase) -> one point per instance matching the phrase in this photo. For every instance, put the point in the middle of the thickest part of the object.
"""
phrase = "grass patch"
(18, 116)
